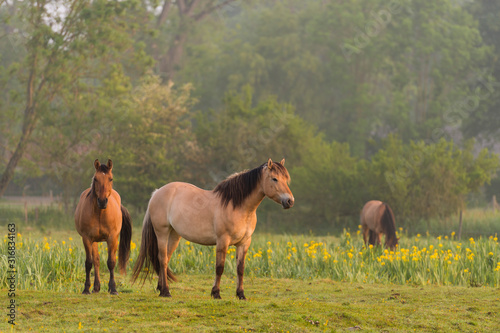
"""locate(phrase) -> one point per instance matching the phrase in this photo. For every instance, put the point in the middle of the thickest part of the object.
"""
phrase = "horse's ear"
(270, 164)
(110, 164)
(282, 162)
(97, 165)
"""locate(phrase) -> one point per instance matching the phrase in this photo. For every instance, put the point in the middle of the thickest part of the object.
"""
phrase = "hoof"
(165, 295)
(215, 294)
(113, 292)
(241, 296)
(95, 291)
(86, 292)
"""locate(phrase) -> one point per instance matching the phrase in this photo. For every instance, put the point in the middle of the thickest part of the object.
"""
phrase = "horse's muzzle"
(102, 204)
(287, 202)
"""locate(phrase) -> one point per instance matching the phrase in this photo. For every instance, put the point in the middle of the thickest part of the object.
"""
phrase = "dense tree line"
(366, 99)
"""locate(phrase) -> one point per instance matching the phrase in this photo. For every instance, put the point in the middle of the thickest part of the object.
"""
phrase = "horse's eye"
(110, 179)
(275, 180)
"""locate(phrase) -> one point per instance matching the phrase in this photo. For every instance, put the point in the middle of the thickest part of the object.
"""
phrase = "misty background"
(391, 100)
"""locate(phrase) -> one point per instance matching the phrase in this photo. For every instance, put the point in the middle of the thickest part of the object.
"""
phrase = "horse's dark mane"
(104, 169)
(388, 224)
(238, 187)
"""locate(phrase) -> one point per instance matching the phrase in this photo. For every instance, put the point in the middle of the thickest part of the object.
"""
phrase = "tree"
(152, 142)
(482, 122)
(357, 70)
(423, 181)
(64, 53)
(189, 14)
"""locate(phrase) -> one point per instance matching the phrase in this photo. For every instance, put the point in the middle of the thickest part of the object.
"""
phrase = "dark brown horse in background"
(377, 219)
(100, 217)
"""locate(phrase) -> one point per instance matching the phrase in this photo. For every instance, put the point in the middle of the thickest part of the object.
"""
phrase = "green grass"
(294, 283)
(273, 305)
(56, 262)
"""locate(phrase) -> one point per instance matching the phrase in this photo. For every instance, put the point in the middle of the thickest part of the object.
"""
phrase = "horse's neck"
(253, 201)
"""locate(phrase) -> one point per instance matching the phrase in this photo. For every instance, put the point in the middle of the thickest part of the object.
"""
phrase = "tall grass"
(58, 264)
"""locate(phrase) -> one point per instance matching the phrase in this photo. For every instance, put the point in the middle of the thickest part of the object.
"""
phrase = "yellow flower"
(132, 245)
(70, 239)
(80, 325)
(188, 242)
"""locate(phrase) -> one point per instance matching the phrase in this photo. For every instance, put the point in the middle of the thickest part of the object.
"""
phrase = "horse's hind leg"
(241, 252)
(220, 260)
(88, 264)
(165, 252)
(112, 247)
(97, 263)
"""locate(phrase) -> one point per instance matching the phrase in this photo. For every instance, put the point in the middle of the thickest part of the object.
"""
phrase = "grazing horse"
(222, 217)
(100, 217)
(377, 219)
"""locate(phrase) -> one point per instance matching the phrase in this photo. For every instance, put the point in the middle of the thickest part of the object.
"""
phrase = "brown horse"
(377, 219)
(222, 217)
(100, 217)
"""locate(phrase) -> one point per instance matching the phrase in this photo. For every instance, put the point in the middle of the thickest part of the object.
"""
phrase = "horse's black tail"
(389, 224)
(125, 238)
(148, 253)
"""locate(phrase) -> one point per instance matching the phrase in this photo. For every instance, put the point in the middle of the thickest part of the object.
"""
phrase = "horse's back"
(188, 209)
(369, 212)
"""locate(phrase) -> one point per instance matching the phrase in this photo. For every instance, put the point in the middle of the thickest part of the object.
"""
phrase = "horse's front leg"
(112, 247)
(88, 264)
(366, 232)
(220, 260)
(97, 263)
(241, 252)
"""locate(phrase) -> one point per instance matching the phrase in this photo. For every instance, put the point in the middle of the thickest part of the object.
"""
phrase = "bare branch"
(164, 12)
(207, 11)
(182, 7)
(191, 7)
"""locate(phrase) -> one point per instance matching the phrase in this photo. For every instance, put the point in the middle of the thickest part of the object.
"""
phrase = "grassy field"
(294, 284)
(274, 305)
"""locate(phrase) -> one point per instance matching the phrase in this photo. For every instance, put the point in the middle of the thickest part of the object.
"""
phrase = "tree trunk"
(18, 153)
(171, 61)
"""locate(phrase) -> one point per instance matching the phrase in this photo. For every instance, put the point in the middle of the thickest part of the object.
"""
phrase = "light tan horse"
(377, 219)
(222, 217)
(100, 217)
